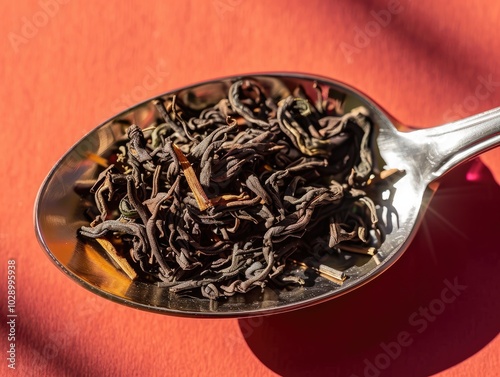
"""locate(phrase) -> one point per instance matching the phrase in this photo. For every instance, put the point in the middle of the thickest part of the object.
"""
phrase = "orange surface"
(66, 66)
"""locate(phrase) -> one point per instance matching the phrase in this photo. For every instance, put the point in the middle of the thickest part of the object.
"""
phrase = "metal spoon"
(424, 155)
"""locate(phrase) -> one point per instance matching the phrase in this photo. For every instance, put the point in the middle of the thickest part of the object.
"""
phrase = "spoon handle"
(448, 145)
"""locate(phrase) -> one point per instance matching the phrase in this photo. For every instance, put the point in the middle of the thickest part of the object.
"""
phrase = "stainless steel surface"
(423, 154)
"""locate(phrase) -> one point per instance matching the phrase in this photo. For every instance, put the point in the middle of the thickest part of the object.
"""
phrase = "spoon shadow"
(434, 308)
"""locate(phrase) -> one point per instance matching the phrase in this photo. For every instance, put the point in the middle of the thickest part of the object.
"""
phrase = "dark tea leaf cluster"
(217, 201)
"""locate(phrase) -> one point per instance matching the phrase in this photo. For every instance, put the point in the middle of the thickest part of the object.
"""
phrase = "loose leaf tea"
(221, 199)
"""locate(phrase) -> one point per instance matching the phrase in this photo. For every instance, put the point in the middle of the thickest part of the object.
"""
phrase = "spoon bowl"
(423, 155)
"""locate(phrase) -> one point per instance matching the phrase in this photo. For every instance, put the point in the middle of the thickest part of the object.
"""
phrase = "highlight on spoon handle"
(446, 146)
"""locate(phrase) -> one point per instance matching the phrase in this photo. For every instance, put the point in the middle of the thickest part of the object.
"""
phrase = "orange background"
(68, 66)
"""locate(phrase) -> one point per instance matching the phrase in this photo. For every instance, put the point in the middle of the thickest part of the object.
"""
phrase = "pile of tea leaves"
(218, 201)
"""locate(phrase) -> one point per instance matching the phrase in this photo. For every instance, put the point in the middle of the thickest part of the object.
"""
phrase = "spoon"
(424, 156)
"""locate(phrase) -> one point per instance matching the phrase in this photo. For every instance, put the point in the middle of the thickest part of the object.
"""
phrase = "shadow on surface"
(457, 245)
(49, 353)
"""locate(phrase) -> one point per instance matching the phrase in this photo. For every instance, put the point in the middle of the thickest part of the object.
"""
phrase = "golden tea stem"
(193, 182)
(358, 250)
(326, 271)
(113, 254)
(98, 159)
